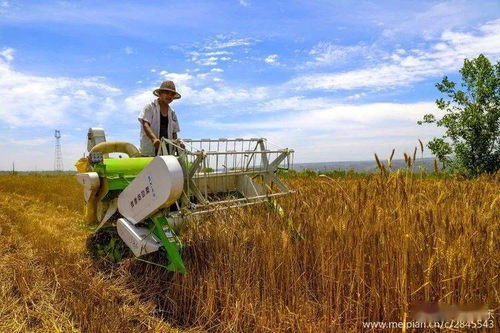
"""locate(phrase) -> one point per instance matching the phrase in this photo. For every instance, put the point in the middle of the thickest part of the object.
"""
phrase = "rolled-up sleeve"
(175, 128)
(146, 114)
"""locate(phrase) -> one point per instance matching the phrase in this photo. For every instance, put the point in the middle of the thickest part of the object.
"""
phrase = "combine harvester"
(145, 198)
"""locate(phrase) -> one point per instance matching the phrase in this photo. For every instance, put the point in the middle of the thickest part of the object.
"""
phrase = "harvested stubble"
(372, 246)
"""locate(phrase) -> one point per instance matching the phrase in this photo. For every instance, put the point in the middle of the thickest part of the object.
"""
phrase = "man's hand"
(179, 143)
(149, 133)
(156, 143)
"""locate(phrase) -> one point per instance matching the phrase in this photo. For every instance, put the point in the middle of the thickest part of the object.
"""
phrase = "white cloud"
(107, 107)
(4, 4)
(222, 47)
(129, 50)
(215, 47)
(205, 58)
(211, 61)
(136, 102)
(194, 55)
(321, 116)
(294, 103)
(244, 3)
(224, 95)
(198, 90)
(228, 41)
(405, 68)
(30, 142)
(272, 59)
(339, 131)
(38, 154)
(375, 78)
(178, 78)
(7, 54)
(432, 21)
(356, 96)
(203, 75)
(30, 100)
(325, 53)
(216, 53)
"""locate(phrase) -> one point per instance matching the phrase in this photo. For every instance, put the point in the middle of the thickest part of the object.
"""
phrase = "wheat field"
(371, 246)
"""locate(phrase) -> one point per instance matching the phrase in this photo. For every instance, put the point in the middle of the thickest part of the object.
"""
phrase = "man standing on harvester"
(158, 120)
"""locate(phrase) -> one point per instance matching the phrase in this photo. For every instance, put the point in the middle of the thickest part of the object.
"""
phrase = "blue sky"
(335, 80)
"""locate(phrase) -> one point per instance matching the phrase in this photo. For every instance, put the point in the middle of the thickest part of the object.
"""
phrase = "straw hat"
(167, 86)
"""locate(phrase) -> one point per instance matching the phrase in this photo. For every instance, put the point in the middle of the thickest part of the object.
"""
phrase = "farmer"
(158, 120)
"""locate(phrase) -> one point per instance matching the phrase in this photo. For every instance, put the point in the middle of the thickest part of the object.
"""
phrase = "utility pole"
(58, 160)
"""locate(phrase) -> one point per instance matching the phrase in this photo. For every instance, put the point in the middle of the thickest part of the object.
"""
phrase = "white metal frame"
(227, 173)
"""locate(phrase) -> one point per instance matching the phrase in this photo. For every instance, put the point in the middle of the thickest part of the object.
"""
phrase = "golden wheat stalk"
(246, 269)
(389, 161)
(421, 147)
(378, 162)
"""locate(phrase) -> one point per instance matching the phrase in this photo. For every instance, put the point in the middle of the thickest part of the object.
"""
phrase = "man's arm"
(176, 127)
(149, 133)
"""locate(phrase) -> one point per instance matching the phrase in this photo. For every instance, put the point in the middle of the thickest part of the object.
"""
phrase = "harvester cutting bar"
(232, 152)
(223, 139)
(247, 201)
(228, 172)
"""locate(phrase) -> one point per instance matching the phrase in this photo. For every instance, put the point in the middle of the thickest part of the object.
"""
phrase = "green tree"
(471, 119)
